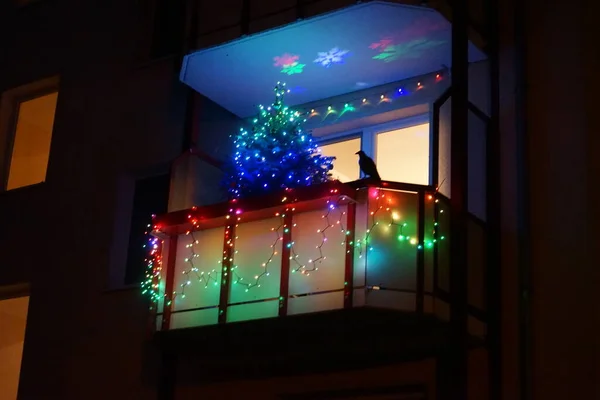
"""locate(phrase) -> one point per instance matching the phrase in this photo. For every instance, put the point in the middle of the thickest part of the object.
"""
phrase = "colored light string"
(151, 283)
(385, 97)
(265, 266)
(276, 153)
(194, 272)
(322, 231)
(153, 275)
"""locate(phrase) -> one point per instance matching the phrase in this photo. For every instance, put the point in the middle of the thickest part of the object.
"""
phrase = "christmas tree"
(275, 153)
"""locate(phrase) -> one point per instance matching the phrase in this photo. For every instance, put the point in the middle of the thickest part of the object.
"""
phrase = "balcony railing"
(307, 250)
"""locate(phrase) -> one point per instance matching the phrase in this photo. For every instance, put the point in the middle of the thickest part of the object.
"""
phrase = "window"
(29, 144)
(13, 319)
(151, 196)
(345, 166)
(402, 155)
(401, 150)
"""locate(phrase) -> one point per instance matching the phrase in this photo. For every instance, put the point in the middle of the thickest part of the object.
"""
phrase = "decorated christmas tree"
(276, 153)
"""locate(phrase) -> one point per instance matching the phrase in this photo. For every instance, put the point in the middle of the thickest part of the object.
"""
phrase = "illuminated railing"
(307, 250)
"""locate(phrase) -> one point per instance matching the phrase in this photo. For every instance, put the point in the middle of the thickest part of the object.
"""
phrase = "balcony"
(329, 247)
(355, 261)
(363, 261)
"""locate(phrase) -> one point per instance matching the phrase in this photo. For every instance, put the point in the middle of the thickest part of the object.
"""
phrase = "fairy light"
(382, 215)
(151, 283)
(356, 104)
(239, 280)
(331, 206)
(193, 272)
(394, 220)
(276, 153)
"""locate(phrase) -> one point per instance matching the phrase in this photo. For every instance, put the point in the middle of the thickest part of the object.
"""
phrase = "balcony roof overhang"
(377, 43)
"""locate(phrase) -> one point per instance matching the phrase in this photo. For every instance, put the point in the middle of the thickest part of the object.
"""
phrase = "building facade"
(95, 121)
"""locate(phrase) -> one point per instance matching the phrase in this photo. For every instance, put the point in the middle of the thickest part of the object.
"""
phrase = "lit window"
(31, 141)
(13, 319)
(402, 155)
(345, 166)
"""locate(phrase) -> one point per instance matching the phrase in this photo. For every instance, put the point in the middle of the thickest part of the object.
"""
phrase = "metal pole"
(454, 361)
(493, 204)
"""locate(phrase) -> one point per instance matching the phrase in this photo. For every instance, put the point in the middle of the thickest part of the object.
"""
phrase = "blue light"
(289, 156)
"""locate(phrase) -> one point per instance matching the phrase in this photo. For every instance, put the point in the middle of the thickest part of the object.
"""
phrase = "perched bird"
(367, 165)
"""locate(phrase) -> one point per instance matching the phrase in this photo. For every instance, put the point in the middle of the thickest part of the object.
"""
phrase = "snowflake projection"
(285, 59)
(294, 68)
(412, 49)
(382, 44)
(333, 56)
(289, 64)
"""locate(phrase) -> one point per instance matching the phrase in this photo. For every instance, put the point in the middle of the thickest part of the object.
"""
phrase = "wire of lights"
(354, 104)
(322, 231)
(265, 266)
(151, 283)
(193, 272)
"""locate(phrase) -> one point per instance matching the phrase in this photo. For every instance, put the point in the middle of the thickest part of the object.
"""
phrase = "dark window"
(151, 196)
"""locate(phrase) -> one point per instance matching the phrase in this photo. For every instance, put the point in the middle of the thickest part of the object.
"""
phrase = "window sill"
(23, 189)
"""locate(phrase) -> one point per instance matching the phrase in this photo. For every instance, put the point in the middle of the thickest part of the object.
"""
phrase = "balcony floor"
(312, 343)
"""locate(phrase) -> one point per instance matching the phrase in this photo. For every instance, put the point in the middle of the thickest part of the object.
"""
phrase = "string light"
(276, 153)
(358, 103)
(151, 283)
(265, 266)
(194, 272)
(394, 219)
(323, 232)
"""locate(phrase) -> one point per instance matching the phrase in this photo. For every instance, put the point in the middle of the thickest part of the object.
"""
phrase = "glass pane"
(403, 155)
(13, 321)
(345, 166)
(31, 148)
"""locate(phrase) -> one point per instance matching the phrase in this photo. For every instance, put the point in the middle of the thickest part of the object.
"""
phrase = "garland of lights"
(265, 265)
(393, 217)
(153, 269)
(294, 257)
(351, 105)
(193, 270)
(154, 259)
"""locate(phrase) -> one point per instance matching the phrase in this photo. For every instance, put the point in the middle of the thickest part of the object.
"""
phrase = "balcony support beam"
(284, 282)
(227, 265)
(421, 255)
(169, 281)
(493, 207)
(453, 362)
(349, 267)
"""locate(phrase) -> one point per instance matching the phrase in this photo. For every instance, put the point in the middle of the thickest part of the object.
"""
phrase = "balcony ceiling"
(362, 46)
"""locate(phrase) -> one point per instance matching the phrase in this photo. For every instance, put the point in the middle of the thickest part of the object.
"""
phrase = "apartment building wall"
(549, 274)
(84, 341)
(117, 119)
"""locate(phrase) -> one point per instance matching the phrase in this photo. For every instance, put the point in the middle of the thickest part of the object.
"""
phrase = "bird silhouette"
(367, 165)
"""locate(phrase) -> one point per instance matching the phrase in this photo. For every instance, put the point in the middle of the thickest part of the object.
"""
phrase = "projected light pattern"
(289, 64)
(295, 68)
(333, 56)
(285, 59)
(376, 43)
(412, 49)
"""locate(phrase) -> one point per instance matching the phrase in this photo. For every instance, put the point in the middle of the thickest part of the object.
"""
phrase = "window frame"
(368, 136)
(342, 137)
(10, 104)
